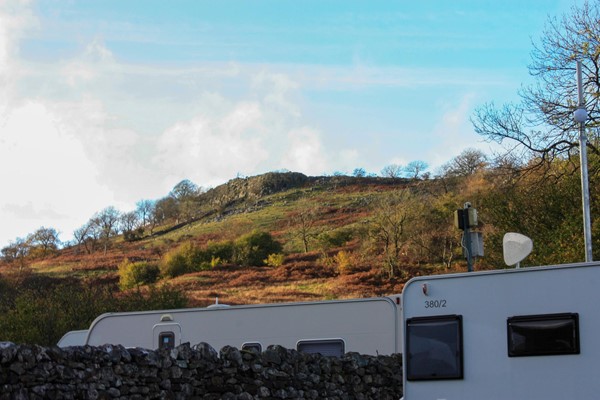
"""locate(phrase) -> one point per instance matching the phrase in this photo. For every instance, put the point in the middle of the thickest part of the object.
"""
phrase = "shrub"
(181, 260)
(137, 273)
(189, 258)
(215, 262)
(343, 261)
(173, 264)
(274, 260)
(133, 235)
(326, 261)
(221, 250)
(337, 238)
(254, 248)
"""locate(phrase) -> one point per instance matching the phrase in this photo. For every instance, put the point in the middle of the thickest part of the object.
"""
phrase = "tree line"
(38, 309)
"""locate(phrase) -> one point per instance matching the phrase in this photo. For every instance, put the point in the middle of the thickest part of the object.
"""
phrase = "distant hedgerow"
(41, 314)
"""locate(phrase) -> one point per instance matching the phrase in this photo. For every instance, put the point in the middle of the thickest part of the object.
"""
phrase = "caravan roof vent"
(218, 305)
(516, 247)
(166, 318)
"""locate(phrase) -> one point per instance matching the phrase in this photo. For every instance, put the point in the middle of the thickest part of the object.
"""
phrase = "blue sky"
(104, 103)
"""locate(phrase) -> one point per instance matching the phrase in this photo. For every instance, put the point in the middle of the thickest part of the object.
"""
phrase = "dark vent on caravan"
(543, 335)
(325, 347)
(434, 348)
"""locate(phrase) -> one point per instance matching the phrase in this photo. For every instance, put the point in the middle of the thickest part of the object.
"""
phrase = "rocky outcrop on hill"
(255, 187)
(112, 372)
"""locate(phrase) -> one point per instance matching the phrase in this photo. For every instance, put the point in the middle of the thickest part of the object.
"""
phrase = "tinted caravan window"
(434, 348)
(166, 340)
(543, 335)
(252, 346)
(325, 347)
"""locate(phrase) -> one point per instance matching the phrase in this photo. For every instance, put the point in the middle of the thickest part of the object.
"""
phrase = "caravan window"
(543, 335)
(252, 346)
(166, 340)
(434, 348)
(325, 347)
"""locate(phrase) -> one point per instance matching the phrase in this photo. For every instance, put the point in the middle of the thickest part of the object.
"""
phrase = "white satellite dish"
(516, 247)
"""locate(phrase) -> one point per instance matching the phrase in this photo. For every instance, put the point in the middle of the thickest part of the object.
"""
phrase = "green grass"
(55, 269)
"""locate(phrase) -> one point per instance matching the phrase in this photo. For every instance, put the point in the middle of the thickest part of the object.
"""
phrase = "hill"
(338, 206)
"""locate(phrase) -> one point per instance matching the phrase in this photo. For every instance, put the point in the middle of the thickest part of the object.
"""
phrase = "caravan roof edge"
(502, 271)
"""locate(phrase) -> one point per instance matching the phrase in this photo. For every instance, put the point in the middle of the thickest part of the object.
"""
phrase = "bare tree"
(87, 235)
(392, 171)
(144, 209)
(17, 252)
(466, 163)
(304, 223)
(541, 126)
(184, 190)
(130, 225)
(414, 169)
(164, 209)
(359, 172)
(107, 220)
(45, 238)
(388, 226)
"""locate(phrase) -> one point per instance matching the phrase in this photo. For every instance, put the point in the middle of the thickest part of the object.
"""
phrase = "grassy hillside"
(341, 206)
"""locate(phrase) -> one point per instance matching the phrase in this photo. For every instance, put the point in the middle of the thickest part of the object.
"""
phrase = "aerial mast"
(581, 116)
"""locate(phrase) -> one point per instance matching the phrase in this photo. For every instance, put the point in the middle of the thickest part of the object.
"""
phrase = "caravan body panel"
(484, 302)
(73, 338)
(368, 326)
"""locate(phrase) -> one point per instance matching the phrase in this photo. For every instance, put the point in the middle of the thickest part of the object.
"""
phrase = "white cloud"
(359, 77)
(397, 161)
(278, 89)
(47, 177)
(304, 152)
(95, 61)
(347, 160)
(209, 149)
(15, 19)
(453, 133)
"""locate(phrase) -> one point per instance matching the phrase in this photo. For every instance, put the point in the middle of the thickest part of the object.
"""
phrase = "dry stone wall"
(114, 372)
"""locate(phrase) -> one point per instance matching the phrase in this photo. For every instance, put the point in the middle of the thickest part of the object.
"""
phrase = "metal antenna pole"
(581, 116)
(467, 237)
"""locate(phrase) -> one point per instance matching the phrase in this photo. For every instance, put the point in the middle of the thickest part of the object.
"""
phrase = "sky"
(106, 103)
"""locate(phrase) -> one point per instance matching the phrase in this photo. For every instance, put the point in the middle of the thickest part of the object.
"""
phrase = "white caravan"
(73, 338)
(529, 333)
(367, 326)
